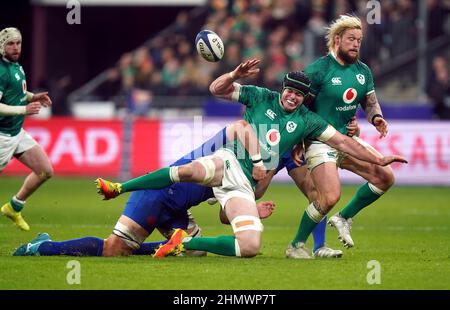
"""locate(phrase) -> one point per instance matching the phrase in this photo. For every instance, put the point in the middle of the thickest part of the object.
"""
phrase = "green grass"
(407, 231)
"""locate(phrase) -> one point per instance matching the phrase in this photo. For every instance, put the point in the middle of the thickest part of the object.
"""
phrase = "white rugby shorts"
(318, 153)
(234, 181)
(9, 146)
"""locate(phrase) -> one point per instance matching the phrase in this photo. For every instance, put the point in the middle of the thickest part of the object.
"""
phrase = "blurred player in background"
(339, 82)
(228, 170)
(15, 103)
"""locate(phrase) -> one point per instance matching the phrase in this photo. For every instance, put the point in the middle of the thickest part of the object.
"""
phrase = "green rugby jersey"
(278, 131)
(13, 91)
(338, 89)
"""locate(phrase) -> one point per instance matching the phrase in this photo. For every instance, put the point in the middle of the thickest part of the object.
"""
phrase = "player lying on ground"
(145, 210)
(166, 209)
(280, 121)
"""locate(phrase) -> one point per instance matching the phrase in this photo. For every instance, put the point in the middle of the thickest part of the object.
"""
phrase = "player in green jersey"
(339, 83)
(15, 103)
(280, 122)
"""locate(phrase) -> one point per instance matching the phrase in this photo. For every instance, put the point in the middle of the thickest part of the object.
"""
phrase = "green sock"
(154, 180)
(365, 195)
(222, 245)
(307, 224)
(17, 204)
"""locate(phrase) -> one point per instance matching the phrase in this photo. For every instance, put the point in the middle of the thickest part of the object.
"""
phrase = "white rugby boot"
(326, 252)
(299, 251)
(343, 227)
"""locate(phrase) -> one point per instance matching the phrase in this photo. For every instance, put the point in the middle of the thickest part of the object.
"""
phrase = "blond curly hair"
(338, 27)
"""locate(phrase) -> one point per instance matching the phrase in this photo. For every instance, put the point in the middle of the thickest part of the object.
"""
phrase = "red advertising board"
(76, 147)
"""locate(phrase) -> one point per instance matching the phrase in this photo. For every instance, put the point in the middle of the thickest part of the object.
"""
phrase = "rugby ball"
(209, 45)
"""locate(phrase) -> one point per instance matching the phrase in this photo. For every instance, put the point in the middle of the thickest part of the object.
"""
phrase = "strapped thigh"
(246, 222)
(124, 233)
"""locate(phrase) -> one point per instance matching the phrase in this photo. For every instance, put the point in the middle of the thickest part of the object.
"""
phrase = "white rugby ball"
(209, 45)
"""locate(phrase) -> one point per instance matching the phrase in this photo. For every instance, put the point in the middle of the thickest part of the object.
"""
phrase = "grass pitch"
(407, 232)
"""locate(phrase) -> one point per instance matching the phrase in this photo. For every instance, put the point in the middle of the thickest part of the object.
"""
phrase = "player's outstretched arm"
(350, 146)
(31, 108)
(244, 132)
(224, 86)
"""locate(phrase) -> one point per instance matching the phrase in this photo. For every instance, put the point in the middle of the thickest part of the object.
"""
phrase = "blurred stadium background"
(130, 94)
(127, 82)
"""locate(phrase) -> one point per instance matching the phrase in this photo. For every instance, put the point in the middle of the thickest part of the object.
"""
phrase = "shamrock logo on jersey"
(290, 126)
(361, 79)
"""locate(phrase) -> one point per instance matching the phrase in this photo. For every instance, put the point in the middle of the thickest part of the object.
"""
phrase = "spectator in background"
(403, 28)
(287, 34)
(437, 17)
(438, 88)
(59, 89)
(140, 95)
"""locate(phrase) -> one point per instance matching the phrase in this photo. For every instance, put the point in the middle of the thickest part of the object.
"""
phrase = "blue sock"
(87, 246)
(319, 234)
(148, 248)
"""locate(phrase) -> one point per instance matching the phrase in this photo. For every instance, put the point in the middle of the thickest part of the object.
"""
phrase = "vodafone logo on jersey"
(273, 137)
(349, 95)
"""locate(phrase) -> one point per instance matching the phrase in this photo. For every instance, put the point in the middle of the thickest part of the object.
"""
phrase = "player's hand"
(33, 108)
(259, 172)
(381, 125)
(43, 98)
(297, 153)
(386, 160)
(246, 69)
(265, 209)
(353, 128)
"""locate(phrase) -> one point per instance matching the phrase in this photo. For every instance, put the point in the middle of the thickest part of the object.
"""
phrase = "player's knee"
(115, 246)
(201, 171)
(250, 247)
(388, 177)
(48, 173)
(186, 172)
(124, 239)
(247, 229)
(330, 200)
(384, 178)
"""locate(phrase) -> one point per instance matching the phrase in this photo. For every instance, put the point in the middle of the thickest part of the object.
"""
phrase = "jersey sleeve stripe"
(236, 92)
(326, 135)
